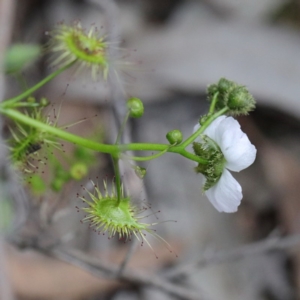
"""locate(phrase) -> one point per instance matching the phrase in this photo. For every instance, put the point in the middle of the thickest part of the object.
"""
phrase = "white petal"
(235, 145)
(210, 131)
(226, 195)
(241, 155)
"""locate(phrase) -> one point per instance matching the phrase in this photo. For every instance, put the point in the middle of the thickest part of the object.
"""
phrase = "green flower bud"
(140, 172)
(174, 137)
(240, 101)
(225, 85)
(78, 170)
(44, 102)
(211, 90)
(135, 107)
(231, 95)
(204, 118)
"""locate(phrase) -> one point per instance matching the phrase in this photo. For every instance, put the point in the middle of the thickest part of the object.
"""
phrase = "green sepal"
(212, 171)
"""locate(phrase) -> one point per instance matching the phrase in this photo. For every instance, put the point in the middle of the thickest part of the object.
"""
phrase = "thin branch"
(243, 252)
(107, 270)
(128, 256)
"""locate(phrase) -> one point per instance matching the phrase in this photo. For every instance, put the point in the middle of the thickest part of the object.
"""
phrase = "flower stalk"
(112, 149)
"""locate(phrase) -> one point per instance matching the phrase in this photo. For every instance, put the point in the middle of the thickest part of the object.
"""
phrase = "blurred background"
(174, 49)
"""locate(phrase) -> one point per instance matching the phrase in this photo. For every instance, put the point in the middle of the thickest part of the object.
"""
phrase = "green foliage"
(19, 56)
(106, 213)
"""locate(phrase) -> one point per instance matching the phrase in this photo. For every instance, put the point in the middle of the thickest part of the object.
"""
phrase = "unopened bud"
(240, 101)
(140, 172)
(78, 171)
(174, 137)
(135, 107)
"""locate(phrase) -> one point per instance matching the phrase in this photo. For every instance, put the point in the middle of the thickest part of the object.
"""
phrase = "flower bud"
(44, 102)
(140, 172)
(240, 101)
(78, 170)
(211, 90)
(135, 107)
(174, 137)
(204, 118)
(231, 95)
(225, 85)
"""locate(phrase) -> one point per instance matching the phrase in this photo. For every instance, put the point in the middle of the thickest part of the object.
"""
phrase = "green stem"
(17, 116)
(25, 104)
(190, 139)
(9, 102)
(145, 158)
(213, 103)
(104, 148)
(115, 159)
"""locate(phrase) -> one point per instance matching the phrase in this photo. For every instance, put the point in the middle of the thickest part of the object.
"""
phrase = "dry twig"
(243, 252)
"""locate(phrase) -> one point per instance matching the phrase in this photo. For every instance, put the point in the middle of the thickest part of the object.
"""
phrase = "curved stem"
(104, 148)
(115, 159)
(145, 158)
(9, 102)
(190, 139)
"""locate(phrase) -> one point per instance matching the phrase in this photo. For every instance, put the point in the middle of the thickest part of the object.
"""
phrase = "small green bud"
(204, 118)
(44, 102)
(135, 107)
(240, 101)
(174, 137)
(78, 170)
(230, 95)
(212, 89)
(140, 172)
(225, 85)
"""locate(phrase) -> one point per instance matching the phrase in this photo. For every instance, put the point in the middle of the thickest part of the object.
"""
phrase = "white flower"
(239, 153)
